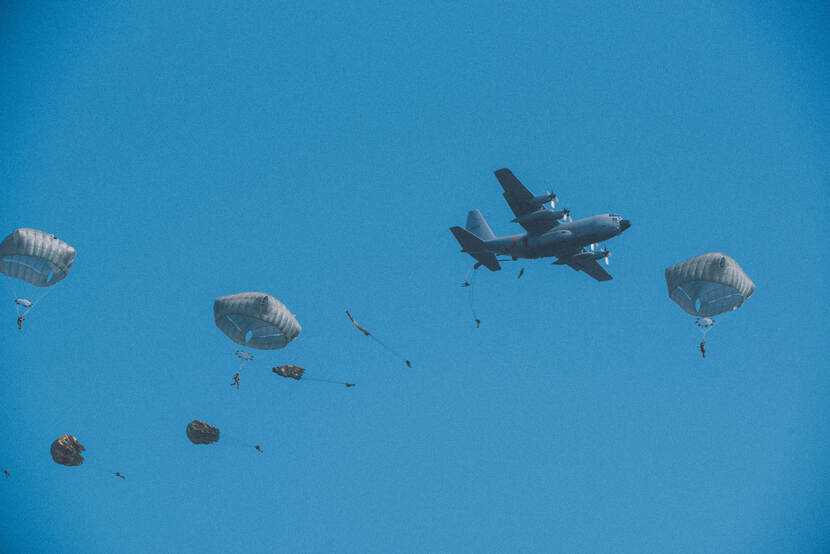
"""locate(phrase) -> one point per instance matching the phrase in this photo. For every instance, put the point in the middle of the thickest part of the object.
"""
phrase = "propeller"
(553, 199)
(607, 256)
(593, 247)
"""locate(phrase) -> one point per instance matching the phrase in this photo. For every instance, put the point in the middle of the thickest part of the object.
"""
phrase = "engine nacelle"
(583, 256)
(549, 216)
(543, 198)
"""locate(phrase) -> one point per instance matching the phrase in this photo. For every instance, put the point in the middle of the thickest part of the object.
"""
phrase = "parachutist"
(408, 363)
(118, 474)
(236, 380)
(349, 385)
(258, 449)
(522, 272)
(6, 473)
(20, 319)
(478, 323)
(466, 284)
(703, 348)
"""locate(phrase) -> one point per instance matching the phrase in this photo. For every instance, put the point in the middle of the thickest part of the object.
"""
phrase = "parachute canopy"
(36, 257)
(709, 284)
(242, 355)
(256, 319)
(66, 450)
(200, 432)
(290, 371)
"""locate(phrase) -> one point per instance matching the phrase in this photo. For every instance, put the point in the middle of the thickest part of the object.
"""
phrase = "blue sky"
(321, 154)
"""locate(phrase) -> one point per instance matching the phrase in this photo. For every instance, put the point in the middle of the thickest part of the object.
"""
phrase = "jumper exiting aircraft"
(550, 232)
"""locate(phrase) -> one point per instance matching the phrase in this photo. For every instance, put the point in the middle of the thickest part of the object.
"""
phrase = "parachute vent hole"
(248, 336)
(698, 305)
(49, 277)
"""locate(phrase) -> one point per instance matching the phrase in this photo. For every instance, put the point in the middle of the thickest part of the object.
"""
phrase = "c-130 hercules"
(549, 233)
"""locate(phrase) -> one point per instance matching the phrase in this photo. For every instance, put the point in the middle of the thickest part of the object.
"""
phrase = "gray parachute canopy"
(256, 319)
(66, 450)
(709, 284)
(35, 257)
(200, 432)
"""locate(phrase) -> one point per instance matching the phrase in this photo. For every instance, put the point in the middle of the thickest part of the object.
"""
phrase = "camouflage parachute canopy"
(290, 371)
(708, 284)
(255, 319)
(66, 450)
(36, 257)
(200, 432)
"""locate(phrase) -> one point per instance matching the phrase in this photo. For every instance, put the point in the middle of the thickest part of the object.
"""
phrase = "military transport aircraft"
(550, 232)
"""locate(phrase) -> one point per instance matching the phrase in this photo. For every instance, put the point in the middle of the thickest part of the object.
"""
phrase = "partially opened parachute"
(255, 319)
(66, 450)
(296, 372)
(709, 284)
(200, 432)
(289, 371)
(36, 257)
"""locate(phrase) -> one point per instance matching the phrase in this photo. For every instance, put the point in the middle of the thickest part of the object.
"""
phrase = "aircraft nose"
(624, 224)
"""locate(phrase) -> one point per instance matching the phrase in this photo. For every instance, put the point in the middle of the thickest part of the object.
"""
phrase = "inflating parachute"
(66, 450)
(377, 340)
(200, 432)
(708, 285)
(37, 258)
(289, 371)
(244, 357)
(704, 324)
(296, 372)
(256, 319)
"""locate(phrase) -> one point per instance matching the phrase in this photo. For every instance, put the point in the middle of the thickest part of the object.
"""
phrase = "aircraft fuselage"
(563, 240)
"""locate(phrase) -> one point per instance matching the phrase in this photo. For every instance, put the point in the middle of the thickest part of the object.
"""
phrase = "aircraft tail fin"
(475, 247)
(478, 226)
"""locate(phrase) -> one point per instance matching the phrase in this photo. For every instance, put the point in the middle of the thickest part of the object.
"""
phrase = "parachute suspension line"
(377, 340)
(32, 305)
(95, 467)
(241, 365)
(238, 442)
(705, 325)
(42, 296)
(11, 289)
(472, 281)
(320, 379)
(387, 347)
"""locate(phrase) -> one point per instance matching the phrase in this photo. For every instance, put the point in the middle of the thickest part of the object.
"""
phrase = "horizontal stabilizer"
(476, 248)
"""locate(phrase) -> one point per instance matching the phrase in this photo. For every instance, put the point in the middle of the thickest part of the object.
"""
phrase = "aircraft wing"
(516, 194)
(592, 268)
(520, 200)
